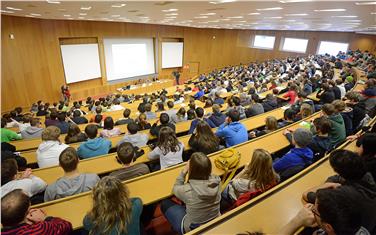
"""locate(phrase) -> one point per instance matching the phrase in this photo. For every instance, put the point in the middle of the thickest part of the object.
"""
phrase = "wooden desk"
(80, 204)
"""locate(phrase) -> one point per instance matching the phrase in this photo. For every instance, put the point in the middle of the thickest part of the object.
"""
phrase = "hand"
(352, 137)
(26, 173)
(330, 185)
(36, 215)
(306, 216)
(287, 131)
(186, 168)
(252, 134)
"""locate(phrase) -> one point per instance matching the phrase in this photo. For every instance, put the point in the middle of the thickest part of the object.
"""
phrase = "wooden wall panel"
(32, 67)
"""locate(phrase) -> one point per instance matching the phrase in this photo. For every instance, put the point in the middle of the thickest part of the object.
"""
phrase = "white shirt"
(31, 186)
(170, 159)
(48, 153)
(117, 107)
(342, 89)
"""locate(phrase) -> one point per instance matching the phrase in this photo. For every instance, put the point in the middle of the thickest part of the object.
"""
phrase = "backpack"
(228, 160)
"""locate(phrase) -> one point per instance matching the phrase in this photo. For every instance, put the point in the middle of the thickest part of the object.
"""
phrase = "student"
(191, 114)
(33, 131)
(232, 131)
(113, 212)
(203, 139)
(271, 124)
(11, 179)
(341, 86)
(238, 107)
(367, 151)
(201, 196)
(26, 119)
(126, 119)
(77, 118)
(358, 107)
(337, 133)
(165, 122)
(18, 218)
(108, 128)
(62, 125)
(258, 175)
(200, 93)
(217, 117)
(126, 154)
(218, 99)
(169, 150)
(6, 134)
(134, 137)
(288, 118)
(171, 111)
(346, 113)
(270, 103)
(149, 114)
(94, 146)
(325, 94)
(255, 108)
(180, 116)
(49, 150)
(72, 182)
(160, 107)
(199, 117)
(292, 94)
(320, 142)
(74, 135)
(52, 121)
(305, 110)
(299, 156)
(116, 106)
(142, 122)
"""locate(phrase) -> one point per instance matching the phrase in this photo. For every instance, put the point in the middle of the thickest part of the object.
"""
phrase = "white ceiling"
(358, 16)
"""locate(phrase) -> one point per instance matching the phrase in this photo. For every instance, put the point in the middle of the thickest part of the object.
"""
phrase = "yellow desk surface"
(142, 186)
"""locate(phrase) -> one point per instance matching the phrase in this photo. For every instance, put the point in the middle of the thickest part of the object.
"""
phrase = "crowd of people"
(198, 193)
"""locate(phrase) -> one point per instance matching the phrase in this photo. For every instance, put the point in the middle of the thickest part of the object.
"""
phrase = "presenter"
(176, 74)
(65, 92)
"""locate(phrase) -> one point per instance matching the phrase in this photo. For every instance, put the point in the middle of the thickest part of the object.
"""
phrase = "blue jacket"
(233, 133)
(94, 147)
(295, 157)
(199, 94)
(194, 124)
(217, 118)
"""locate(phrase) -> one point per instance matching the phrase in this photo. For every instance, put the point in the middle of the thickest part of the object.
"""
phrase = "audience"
(33, 131)
(217, 117)
(203, 139)
(232, 131)
(77, 118)
(134, 137)
(199, 117)
(75, 135)
(271, 124)
(179, 116)
(6, 134)
(63, 125)
(126, 119)
(337, 132)
(143, 123)
(94, 146)
(108, 128)
(165, 122)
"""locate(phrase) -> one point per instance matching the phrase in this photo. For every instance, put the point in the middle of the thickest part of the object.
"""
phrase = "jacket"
(201, 197)
(337, 133)
(64, 127)
(138, 139)
(270, 105)
(31, 186)
(195, 122)
(347, 116)
(50, 226)
(320, 144)
(254, 110)
(48, 153)
(9, 135)
(32, 132)
(64, 186)
(233, 133)
(217, 118)
(94, 147)
(295, 157)
(155, 129)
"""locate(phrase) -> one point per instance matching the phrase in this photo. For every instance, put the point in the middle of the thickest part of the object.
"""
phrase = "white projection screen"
(81, 62)
(172, 54)
(129, 57)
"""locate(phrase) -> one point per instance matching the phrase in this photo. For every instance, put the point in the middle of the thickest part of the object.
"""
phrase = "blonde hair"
(339, 105)
(305, 110)
(260, 169)
(51, 133)
(271, 123)
(111, 206)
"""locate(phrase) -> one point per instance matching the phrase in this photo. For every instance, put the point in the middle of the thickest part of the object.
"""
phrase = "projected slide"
(127, 58)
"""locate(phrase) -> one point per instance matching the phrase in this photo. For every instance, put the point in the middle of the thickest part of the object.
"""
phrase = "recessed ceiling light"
(35, 14)
(14, 9)
(235, 17)
(330, 10)
(270, 9)
(172, 14)
(273, 17)
(171, 17)
(292, 1)
(365, 3)
(298, 14)
(224, 19)
(208, 14)
(170, 10)
(373, 13)
(83, 14)
(353, 20)
(201, 17)
(81, 17)
(254, 13)
(118, 6)
(5, 11)
(67, 15)
(346, 16)
(115, 15)
(53, 2)
(85, 8)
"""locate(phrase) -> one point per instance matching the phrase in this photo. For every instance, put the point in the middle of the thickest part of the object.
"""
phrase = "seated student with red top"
(291, 94)
(18, 218)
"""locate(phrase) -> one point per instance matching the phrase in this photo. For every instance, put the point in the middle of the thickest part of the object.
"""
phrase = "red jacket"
(50, 226)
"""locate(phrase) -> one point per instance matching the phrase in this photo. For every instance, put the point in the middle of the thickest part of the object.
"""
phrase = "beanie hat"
(302, 137)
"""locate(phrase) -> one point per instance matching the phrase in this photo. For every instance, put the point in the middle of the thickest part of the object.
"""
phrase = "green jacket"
(8, 135)
(337, 133)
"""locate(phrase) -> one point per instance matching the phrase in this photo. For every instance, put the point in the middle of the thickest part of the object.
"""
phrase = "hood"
(46, 145)
(71, 186)
(94, 144)
(337, 118)
(235, 126)
(32, 130)
(206, 189)
(305, 153)
(370, 91)
(323, 142)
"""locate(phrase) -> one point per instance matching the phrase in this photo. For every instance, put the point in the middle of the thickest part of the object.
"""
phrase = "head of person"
(160, 106)
(98, 118)
(73, 130)
(126, 113)
(76, 113)
(111, 206)
(108, 123)
(216, 108)
(27, 118)
(191, 114)
(51, 133)
(9, 169)
(125, 153)
(367, 145)
(200, 167)
(260, 169)
(347, 164)
(322, 125)
(236, 100)
(170, 104)
(68, 159)
(339, 105)
(142, 117)
(35, 122)
(141, 108)
(132, 128)
(61, 116)
(233, 115)
(98, 109)
(164, 118)
(271, 123)
(305, 110)
(15, 206)
(91, 131)
(352, 97)
(199, 112)
(148, 107)
(301, 137)
(325, 86)
(53, 115)
(328, 109)
(167, 140)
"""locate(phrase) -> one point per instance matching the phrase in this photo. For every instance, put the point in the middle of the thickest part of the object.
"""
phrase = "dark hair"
(132, 127)
(368, 143)
(160, 106)
(91, 131)
(191, 114)
(236, 100)
(164, 118)
(61, 116)
(323, 124)
(234, 115)
(167, 140)
(200, 167)
(73, 130)
(9, 169)
(125, 152)
(68, 159)
(76, 113)
(14, 207)
(289, 114)
(347, 164)
(108, 123)
(126, 113)
(170, 104)
(181, 112)
(53, 115)
(98, 109)
(3, 122)
(204, 135)
(98, 118)
(34, 121)
(199, 112)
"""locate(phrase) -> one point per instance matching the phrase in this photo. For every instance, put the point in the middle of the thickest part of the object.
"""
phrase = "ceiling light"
(298, 14)
(208, 14)
(118, 6)
(170, 10)
(270, 9)
(365, 3)
(85, 8)
(353, 20)
(67, 15)
(273, 17)
(83, 14)
(172, 14)
(81, 17)
(53, 2)
(292, 1)
(115, 16)
(4, 11)
(330, 10)
(222, 1)
(35, 14)
(14, 9)
(253, 13)
(200, 17)
(171, 17)
(346, 16)
(235, 17)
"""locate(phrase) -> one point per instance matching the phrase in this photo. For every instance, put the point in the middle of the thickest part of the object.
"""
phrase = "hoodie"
(217, 118)
(347, 116)
(138, 139)
(270, 105)
(233, 133)
(201, 197)
(337, 133)
(32, 132)
(65, 186)
(295, 157)
(94, 147)
(320, 144)
(48, 153)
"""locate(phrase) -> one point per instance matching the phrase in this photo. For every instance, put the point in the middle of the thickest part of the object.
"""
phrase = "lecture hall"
(188, 117)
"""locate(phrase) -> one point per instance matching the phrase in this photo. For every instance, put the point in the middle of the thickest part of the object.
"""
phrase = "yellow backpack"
(228, 161)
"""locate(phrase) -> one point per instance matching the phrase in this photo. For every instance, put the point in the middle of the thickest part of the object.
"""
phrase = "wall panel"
(32, 69)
